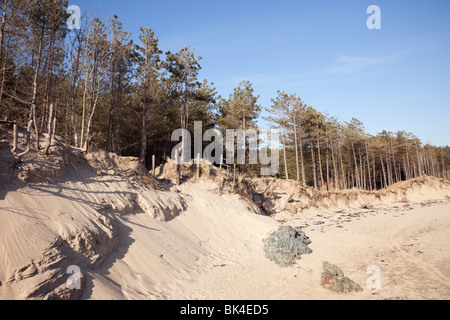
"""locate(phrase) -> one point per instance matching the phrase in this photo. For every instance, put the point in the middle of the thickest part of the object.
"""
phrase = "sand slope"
(134, 239)
(411, 249)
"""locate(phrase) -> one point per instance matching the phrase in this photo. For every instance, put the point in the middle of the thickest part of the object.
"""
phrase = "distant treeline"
(95, 84)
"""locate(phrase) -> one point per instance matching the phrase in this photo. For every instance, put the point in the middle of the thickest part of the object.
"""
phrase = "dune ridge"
(136, 238)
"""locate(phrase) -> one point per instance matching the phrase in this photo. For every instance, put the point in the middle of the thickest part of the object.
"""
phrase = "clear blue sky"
(396, 78)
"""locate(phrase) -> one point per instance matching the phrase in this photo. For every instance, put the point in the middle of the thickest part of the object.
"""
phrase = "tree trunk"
(15, 134)
(374, 174)
(35, 88)
(144, 133)
(394, 162)
(296, 149)
(302, 163)
(357, 178)
(3, 57)
(302, 157)
(154, 166)
(320, 162)
(368, 167)
(328, 170)
(313, 158)
(48, 83)
(54, 125)
(419, 163)
(49, 129)
(335, 169)
(29, 128)
(408, 164)
(94, 106)
(344, 179)
(284, 151)
(245, 140)
(362, 182)
(384, 172)
(389, 169)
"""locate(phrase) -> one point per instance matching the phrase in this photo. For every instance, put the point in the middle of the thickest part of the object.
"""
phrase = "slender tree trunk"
(408, 164)
(15, 134)
(328, 170)
(415, 170)
(320, 162)
(390, 170)
(35, 88)
(368, 167)
(83, 117)
(89, 81)
(49, 129)
(54, 125)
(118, 120)
(111, 111)
(245, 141)
(394, 162)
(344, 178)
(352, 179)
(144, 132)
(3, 53)
(29, 129)
(302, 160)
(374, 174)
(94, 105)
(421, 163)
(405, 166)
(356, 167)
(4, 58)
(384, 172)
(313, 158)
(296, 148)
(362, 182)
(335, 168)
(284, 152)
(48, 83)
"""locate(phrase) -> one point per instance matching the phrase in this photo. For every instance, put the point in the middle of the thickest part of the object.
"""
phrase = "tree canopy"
(95, 85)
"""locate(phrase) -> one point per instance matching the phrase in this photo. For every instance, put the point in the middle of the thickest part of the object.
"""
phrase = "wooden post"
(198, 166)
(220, 170)
(154, 166)
(178, 169)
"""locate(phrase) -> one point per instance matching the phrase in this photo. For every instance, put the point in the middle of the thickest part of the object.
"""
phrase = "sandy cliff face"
(132, 238)
(65, 209)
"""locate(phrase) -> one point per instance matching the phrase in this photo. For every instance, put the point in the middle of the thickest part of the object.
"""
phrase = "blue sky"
(396, 78)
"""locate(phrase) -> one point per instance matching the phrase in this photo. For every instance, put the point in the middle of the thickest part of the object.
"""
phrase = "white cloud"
(343, 65)
(348, 64)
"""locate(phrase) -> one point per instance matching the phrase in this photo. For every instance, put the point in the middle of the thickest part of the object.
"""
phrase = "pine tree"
(280, 116)
(240, 111)
(120, 74)
(183, 67)
(149, 74)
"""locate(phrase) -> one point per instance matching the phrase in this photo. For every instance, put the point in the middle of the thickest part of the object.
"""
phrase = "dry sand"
(411, 249)
(133, 242)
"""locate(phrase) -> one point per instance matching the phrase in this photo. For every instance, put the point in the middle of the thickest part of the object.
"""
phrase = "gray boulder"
(286, 245)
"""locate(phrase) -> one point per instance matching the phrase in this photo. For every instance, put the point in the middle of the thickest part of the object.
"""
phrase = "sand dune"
(132, 238)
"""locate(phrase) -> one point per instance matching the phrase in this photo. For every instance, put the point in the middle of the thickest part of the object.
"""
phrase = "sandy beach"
(218, 150)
